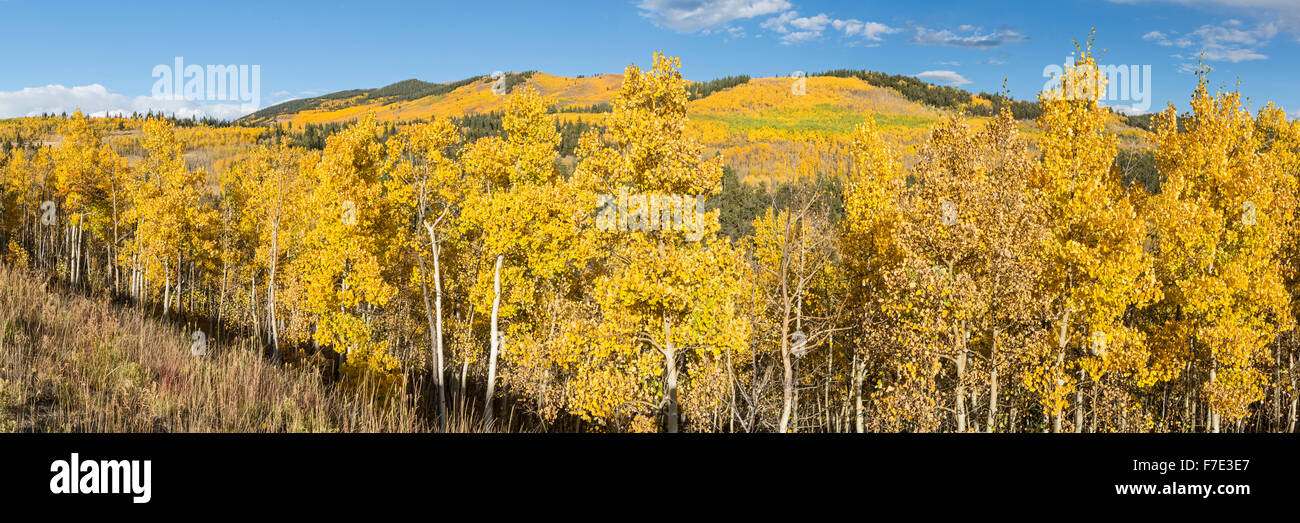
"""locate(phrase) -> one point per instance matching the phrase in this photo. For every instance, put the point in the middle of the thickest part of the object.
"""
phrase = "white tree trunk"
(167, 286)
(993, 385)
(496, 343)
(435, 324)
(271, 323)
(858, 422)
(670, 380)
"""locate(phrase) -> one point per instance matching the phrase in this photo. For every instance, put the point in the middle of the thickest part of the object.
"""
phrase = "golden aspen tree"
(827, 300)
(1014, 228)
(869, 245)
(82, 172)
(265, 190)
(527, 219)
(970, 236)
(237, 244)
(19, 205)
(1095, 264)
(429, 182)
(792, 251)
(1280, 141)
(1221, 217)
(117, 200)
(168, 216)
(350, 242)
(668, 293)
(943, 243)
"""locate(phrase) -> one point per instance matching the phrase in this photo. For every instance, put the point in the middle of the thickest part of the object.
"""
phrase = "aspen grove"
(1001, 282)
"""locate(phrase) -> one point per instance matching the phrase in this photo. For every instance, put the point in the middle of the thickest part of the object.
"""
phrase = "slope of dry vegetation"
(72, 363)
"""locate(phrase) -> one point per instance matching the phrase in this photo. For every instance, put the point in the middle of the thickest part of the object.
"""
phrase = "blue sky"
(100, 57)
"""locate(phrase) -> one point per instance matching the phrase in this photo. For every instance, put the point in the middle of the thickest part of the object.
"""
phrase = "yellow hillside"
(763, 128)
(767, 132)
(475, 98)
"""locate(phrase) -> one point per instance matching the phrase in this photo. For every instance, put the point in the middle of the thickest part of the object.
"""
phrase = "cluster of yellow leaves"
(660, 293)
(353, 235)
(1096, 266)
(1221, 221)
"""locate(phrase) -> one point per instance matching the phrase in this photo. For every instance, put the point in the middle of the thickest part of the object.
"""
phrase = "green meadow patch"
(823, 118)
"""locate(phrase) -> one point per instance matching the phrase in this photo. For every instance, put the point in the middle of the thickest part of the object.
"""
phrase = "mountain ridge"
(414, 98)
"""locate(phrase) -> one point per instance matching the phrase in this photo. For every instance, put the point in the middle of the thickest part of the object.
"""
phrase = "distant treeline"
(740, 203)
(403, 91)
(702, 89)
(910, 87)
(472, 127)
(514, 79)
(940, 96)
(475, 126)
(603, 107)
(177, 121)
(947, 97)
(313, 136)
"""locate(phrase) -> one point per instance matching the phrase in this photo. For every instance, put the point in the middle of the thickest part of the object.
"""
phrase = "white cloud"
(1131, 110)
(1281, 15)
(1230, 41)
(778, 23)
(1232, 55)
(943, 77)
(795, 37)
(968, 36)
(689, 16)
(795, 29)
(1234, 32)
(1286, 10)
(1161, 38)
(813, 23)
(850, 27)
(873, 31)
(96, 100)
(715, 17)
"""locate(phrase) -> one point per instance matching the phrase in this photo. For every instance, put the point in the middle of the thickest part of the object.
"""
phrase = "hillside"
(765, 131)
(414, 99)
(72, 363)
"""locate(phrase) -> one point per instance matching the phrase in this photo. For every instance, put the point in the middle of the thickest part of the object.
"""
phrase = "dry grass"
(71, 363)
